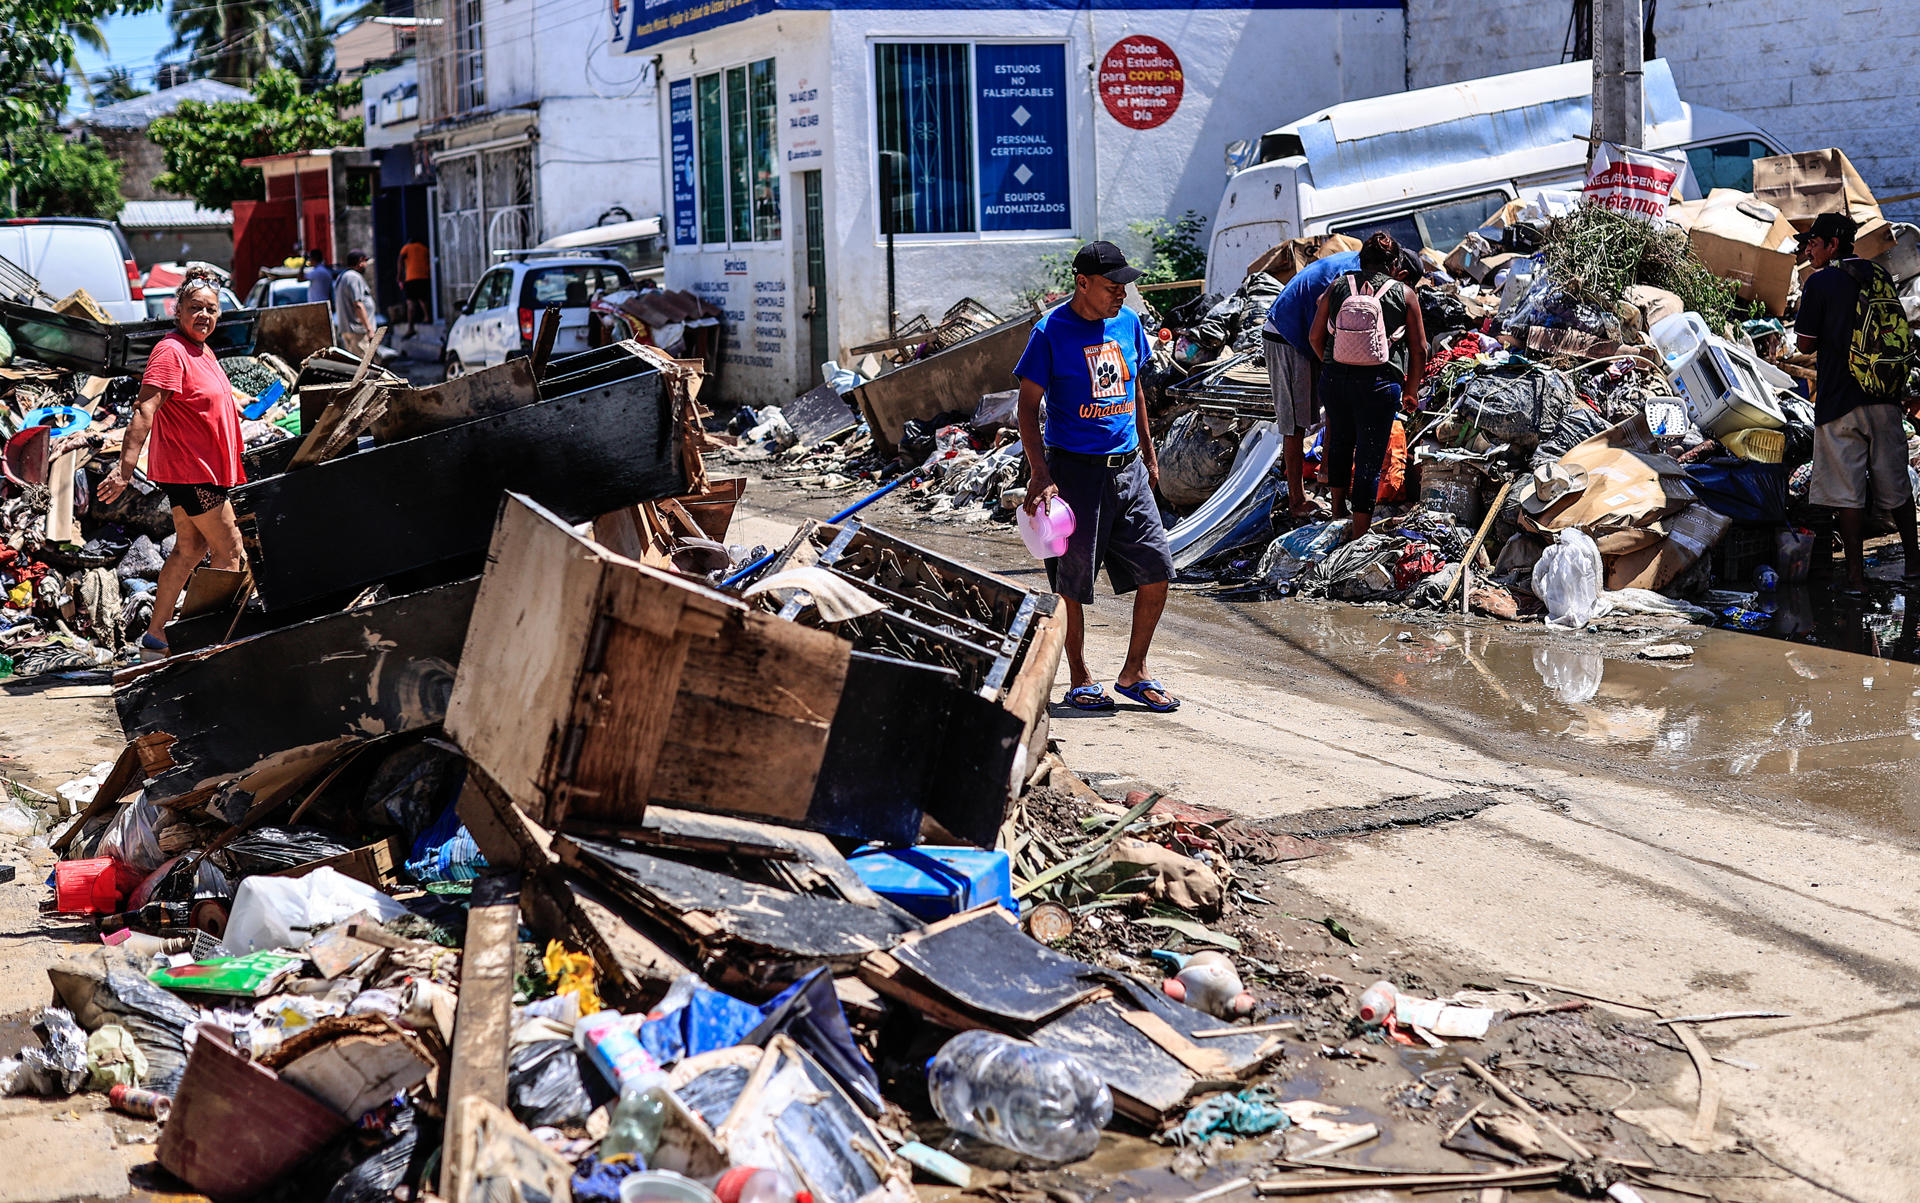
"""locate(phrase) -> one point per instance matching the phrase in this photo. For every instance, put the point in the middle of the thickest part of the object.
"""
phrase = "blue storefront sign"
(1020, 98)
(656, 21)
(686, 231)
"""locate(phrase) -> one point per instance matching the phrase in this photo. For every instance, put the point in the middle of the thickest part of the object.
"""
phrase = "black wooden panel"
(378, 671)
(370, 515)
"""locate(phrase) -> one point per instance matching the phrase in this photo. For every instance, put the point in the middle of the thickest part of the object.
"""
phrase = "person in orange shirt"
(416, 280)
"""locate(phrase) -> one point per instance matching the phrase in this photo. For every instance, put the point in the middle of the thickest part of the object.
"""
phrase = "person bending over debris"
(1851, 320)
(1291, 366)
(186, 405)
(1367, 331)
(1084, 358)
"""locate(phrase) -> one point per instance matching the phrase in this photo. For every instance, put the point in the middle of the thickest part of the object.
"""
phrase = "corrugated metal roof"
(172, 215)
(140, 112)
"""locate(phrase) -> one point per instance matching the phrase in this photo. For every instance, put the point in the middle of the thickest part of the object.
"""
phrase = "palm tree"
(114, 85)
(228, 40)
(305, 38)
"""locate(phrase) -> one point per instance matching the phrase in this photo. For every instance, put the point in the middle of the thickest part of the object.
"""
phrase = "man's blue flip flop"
(1138, 692)
(1089, 697)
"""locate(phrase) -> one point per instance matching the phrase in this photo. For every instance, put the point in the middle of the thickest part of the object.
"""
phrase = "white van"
(66, 253)
(1429, 166)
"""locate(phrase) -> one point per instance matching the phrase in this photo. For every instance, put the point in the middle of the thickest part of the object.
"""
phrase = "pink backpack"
(1360, 327)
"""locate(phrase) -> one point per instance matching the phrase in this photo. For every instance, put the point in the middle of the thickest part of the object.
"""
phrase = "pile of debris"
(78, 574)
(1570, 343)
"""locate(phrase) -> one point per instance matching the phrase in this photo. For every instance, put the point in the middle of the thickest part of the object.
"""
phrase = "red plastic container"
(89, 887)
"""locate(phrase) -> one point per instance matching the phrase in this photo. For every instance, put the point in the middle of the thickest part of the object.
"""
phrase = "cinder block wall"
(1811, 75)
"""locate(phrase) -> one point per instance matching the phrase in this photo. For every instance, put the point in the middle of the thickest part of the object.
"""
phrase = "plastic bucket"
(1452, 488)
(88, 887)
(1045, 530)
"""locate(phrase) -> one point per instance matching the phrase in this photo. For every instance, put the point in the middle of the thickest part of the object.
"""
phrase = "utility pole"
(1618, 51)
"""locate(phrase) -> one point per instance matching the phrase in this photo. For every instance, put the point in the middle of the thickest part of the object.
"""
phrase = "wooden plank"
(953, 379)
(984, 962)
(489, 1155)
(412, 412)
(750, 725)
(485, 1015)
(346, 417)
(125, 771)
(626, 709)
(813, 857)
(431, 500)
(299, 692)
(211, 589)
(527, 643)
(719, 911)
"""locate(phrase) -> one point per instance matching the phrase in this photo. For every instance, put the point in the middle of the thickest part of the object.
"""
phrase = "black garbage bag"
(1193, 312)
(1518, 404)
(1443, 311)
(1257, 294)
(546, 1084)
(1221, 323)
(1578, 424)
(374, 1177)
(916, 441)
(155, 1019)
(271, 849)
(1799, 444)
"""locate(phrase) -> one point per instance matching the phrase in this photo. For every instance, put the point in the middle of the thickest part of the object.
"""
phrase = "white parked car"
(67, 253)
(501, 318)
(637, 244)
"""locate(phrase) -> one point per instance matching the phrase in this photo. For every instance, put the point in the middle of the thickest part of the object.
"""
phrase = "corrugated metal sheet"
(172, 215)
(141, 111)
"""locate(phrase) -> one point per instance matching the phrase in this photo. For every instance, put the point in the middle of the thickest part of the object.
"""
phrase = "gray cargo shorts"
(1290, 373)
(1116, 523)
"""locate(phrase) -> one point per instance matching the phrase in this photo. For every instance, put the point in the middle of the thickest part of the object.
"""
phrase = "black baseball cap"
(1104, 259)
(1829, 225)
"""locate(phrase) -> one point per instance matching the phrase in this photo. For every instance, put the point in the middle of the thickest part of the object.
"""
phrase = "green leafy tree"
(41, 37)
(56, 178)
(205, 143)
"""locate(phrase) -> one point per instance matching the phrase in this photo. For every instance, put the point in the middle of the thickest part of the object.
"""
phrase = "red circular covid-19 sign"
(1141, 82)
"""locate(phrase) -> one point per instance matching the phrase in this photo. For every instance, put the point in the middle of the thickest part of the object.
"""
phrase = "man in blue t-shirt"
(1083, 358)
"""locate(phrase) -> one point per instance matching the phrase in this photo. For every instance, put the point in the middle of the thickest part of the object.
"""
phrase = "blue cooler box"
(932, 882)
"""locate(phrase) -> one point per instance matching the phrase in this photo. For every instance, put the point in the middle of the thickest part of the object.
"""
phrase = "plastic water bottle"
(1378, 1002)
(1007, 1092)
(614, 1048)
(745, 1184)
(635, 1124)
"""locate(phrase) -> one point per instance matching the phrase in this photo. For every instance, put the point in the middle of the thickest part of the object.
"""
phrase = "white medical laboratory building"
(1009, 130)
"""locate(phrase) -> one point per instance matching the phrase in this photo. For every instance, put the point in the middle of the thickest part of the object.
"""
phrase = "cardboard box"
(1689, 536)
(1740, 242)
(1629, 484)
(1804, 185)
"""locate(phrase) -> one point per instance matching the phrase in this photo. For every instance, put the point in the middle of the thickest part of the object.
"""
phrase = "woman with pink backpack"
(1369, 337)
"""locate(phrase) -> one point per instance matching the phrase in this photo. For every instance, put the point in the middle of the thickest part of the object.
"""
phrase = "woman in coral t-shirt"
(186, 405)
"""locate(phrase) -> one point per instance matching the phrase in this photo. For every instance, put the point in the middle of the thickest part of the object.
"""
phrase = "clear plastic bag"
(284, 912)
(134, 837)
(1567, 579)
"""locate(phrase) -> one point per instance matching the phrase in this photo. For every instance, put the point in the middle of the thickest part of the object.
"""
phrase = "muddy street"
(1734, 832)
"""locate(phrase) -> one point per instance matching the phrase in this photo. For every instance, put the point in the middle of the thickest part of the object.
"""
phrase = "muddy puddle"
(1806, 726)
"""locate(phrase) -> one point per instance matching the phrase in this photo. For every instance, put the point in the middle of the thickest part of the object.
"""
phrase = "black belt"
(1118, 460)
